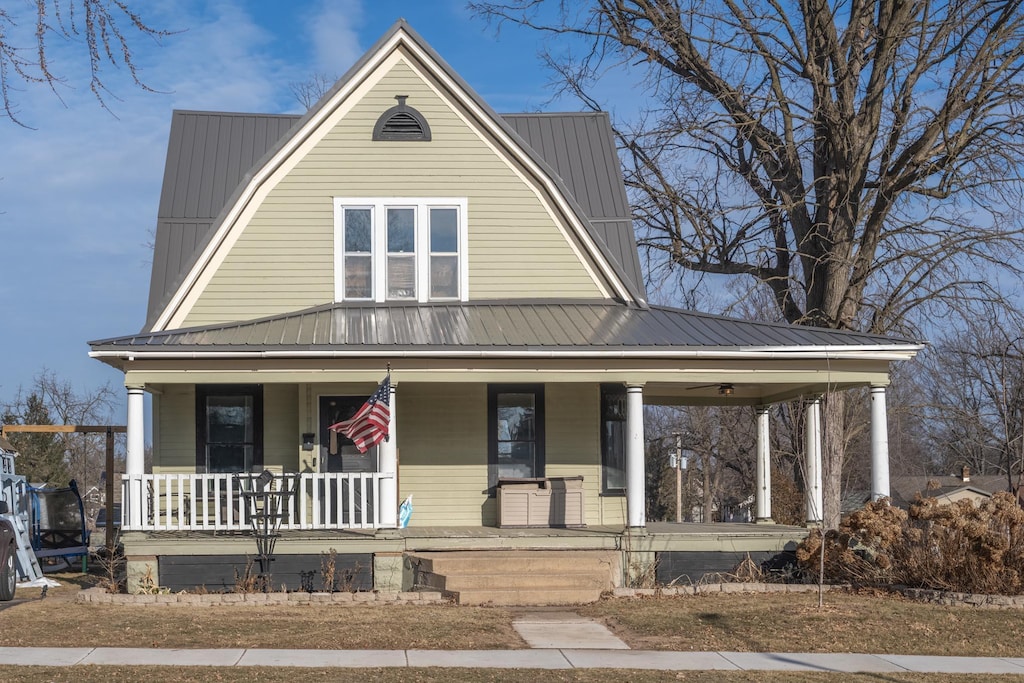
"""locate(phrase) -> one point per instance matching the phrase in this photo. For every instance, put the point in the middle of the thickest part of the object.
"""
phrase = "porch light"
(307, 441)
(725, 389)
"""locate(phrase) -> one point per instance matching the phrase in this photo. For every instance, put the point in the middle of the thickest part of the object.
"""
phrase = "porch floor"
(657, 537)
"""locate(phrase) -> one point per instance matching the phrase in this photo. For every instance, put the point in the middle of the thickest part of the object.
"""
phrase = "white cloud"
(332, 29)
(79, 195)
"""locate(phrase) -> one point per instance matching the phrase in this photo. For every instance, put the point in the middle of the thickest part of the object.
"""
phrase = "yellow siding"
(574, 439)
(284, 259)
(281, 436)
(443, 449)
(442, 443)
(174, 410)
(574, 446)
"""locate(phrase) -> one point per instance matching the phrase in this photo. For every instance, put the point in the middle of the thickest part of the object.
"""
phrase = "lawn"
(864, 622)
(792, 622)
(758, 622)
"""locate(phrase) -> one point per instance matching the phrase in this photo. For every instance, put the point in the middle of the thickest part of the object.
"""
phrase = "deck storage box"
(541, 502)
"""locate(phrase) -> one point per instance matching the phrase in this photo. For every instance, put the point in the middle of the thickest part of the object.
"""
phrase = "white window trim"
(379, 206)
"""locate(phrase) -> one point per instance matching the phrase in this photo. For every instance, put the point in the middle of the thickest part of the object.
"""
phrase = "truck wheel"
(8, 577)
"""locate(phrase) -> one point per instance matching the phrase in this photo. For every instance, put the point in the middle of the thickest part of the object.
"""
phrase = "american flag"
(369, 426)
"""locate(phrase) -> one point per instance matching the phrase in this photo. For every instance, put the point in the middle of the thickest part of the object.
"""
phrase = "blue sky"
(79, 193)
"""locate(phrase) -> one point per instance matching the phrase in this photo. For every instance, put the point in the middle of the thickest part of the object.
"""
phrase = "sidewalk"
(522, 659)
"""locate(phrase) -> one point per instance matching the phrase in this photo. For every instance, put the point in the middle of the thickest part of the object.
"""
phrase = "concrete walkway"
(560, 630)
(521, 659)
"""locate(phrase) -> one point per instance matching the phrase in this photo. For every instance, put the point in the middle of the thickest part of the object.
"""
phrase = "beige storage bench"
(541, 502)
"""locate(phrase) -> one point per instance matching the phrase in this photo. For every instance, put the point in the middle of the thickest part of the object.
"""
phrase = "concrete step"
(517, 597)
(520, 577)
(465, 562)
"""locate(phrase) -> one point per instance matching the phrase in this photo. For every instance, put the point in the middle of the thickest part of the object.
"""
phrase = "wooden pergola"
(109, 430)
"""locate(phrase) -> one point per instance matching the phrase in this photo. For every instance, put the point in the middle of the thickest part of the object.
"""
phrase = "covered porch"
(574, 377)
(445, 461)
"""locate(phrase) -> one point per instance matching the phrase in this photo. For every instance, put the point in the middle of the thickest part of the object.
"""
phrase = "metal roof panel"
(497, 324)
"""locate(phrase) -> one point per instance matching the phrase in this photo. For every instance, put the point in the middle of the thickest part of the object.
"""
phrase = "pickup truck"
(8, 539)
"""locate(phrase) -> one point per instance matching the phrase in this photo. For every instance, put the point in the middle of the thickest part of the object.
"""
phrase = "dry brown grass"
(872, 623)
(791, 622)
(56, 621)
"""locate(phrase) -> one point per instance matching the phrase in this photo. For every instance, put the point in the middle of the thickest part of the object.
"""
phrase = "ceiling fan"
(724, 389)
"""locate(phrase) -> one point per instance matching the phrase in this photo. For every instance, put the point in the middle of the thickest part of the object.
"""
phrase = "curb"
(99, 596)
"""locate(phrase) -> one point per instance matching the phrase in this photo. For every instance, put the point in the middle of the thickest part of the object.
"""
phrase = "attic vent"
(401, 122)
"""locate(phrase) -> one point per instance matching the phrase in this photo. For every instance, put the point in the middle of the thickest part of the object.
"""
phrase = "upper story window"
(400, 249)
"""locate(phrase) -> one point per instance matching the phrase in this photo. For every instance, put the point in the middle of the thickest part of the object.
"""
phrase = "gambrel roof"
(212, 156)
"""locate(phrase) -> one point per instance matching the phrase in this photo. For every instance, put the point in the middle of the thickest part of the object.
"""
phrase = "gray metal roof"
(212, 154)
(580, 148)
(208, 155)
(509, 325)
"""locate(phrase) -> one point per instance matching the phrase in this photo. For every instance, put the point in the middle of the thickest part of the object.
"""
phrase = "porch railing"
(213, 502)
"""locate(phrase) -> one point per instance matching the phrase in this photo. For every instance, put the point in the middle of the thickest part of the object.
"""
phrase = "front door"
(337, 452)
(346, 502)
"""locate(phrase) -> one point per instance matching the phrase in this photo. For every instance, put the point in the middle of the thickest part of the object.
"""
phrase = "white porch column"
(636, 499)
(812, 462)
(763, 494)
(136, 455)
(388, 455)
(879, 445)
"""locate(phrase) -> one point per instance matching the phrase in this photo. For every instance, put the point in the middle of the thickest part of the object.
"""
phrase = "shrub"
(957, 547)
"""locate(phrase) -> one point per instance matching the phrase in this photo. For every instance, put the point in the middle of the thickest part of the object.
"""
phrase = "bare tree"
(977, 398)
(55, 458)
(860, 160)
(309, 92)
(101, 26)
(719, 477)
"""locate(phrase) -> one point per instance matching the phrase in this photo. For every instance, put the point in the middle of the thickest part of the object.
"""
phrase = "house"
(487, 263)
(948, 488)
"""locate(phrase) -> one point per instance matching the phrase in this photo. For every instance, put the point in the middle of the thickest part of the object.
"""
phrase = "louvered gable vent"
(401, 122)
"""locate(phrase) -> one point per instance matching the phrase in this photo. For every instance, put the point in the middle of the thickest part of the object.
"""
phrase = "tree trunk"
(833, 455)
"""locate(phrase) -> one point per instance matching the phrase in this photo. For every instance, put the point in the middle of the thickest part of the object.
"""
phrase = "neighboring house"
(947, 489)
(488, 259)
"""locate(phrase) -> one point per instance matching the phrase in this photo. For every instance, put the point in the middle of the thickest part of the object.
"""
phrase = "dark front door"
(339, 454)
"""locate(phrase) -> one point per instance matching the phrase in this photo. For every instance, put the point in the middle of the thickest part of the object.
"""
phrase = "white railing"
(214, 502)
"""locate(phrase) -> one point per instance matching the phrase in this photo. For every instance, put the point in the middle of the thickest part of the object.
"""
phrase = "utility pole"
(679, 478)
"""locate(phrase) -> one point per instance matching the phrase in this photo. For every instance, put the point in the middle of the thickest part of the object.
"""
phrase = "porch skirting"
(692, 549)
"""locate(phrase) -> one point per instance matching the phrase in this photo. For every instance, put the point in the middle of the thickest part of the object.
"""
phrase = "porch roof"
(568, 328)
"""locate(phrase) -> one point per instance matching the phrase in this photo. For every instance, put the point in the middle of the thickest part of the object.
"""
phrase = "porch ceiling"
(664, 386)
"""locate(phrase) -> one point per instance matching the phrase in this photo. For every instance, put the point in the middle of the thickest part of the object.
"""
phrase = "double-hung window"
(613, 439)
(400, 249)
(229, 427)
(515, 431)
